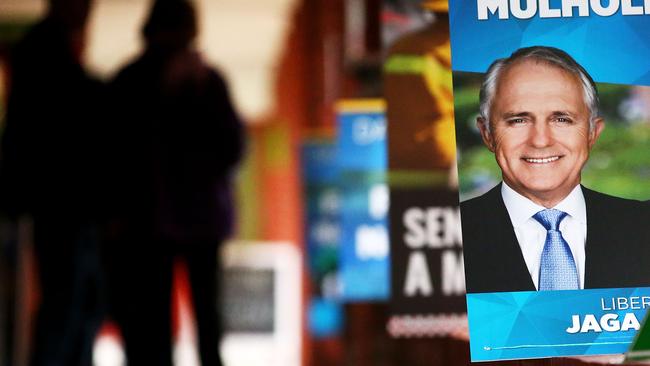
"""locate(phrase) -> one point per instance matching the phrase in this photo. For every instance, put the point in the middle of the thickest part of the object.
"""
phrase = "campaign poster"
(427, 275)
(361, 160)
(322, 215)
(552, 112)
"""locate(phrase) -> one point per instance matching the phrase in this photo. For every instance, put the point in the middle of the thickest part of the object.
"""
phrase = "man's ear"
(483, 127)
(594, 133)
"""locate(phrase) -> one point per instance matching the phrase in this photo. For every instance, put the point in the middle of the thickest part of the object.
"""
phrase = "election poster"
(322, 217)
(361, 160)
(552, 114)
(427, 275)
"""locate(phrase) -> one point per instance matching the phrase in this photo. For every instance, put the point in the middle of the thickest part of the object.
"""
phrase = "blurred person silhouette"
(50, 173)
(178, 142)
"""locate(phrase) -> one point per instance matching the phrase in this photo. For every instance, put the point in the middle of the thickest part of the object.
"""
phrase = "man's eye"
(563, 120)
(516, 121)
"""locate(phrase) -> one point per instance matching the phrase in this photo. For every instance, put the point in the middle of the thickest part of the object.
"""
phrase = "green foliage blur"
(619, 164)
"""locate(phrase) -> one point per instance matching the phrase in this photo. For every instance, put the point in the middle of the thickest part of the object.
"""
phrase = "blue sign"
(319, 162)
(325, 318)
(362, 140)
(364, 267)
(612, 48)
(322, 230)
(512, 325)
(322, 213)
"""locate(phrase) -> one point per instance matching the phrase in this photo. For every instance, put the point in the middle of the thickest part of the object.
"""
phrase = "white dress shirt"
(531, 235)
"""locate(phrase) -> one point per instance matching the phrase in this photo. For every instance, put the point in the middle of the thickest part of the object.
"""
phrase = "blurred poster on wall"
(427, 276)
(322, 230)
(399, 17)
(364, 251)
(553, 134)
(259, 299)
(418, 92)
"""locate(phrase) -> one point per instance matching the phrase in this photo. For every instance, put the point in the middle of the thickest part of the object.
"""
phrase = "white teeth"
(542, 160)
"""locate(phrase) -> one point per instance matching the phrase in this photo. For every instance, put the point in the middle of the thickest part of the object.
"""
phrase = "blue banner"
(609, 47)
(322, 229)
(364, 265)
(322, 211)
(512, 325)
(364, 234)
(362, 139)
(319, 162)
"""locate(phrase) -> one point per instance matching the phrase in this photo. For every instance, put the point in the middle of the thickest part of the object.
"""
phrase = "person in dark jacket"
(50, 165)
(177, 141)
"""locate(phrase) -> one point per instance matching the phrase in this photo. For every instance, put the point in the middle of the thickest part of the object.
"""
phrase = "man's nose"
(541, 135)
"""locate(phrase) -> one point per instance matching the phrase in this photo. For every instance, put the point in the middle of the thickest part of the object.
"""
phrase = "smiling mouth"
(545, 160)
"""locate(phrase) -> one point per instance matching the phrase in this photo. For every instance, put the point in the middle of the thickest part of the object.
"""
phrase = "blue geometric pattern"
(557, 269)
(533, 324)
(613, 49)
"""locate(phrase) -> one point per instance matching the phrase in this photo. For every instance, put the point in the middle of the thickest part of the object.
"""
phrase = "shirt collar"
(520, 208)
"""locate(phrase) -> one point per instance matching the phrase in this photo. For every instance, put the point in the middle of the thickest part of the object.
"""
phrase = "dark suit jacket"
(617, 247)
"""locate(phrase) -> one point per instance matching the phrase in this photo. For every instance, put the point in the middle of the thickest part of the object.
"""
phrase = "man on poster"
(540, 229)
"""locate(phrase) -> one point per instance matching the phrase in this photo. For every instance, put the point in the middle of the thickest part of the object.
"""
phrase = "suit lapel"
(508, 249)
(598, 235)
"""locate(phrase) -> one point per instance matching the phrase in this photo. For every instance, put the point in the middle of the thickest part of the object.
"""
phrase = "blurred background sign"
(427, 274)
(364, 248)
(322, 235)
(261, 295)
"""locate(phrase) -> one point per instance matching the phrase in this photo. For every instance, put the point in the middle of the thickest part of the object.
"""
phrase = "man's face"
(540, 130)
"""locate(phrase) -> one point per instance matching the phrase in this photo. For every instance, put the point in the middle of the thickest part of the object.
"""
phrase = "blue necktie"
(557, 269)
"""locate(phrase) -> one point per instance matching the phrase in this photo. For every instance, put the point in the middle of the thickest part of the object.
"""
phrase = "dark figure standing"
(50, 173)
(179, 139)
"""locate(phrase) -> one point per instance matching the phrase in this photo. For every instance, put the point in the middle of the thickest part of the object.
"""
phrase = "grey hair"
(550, 55)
